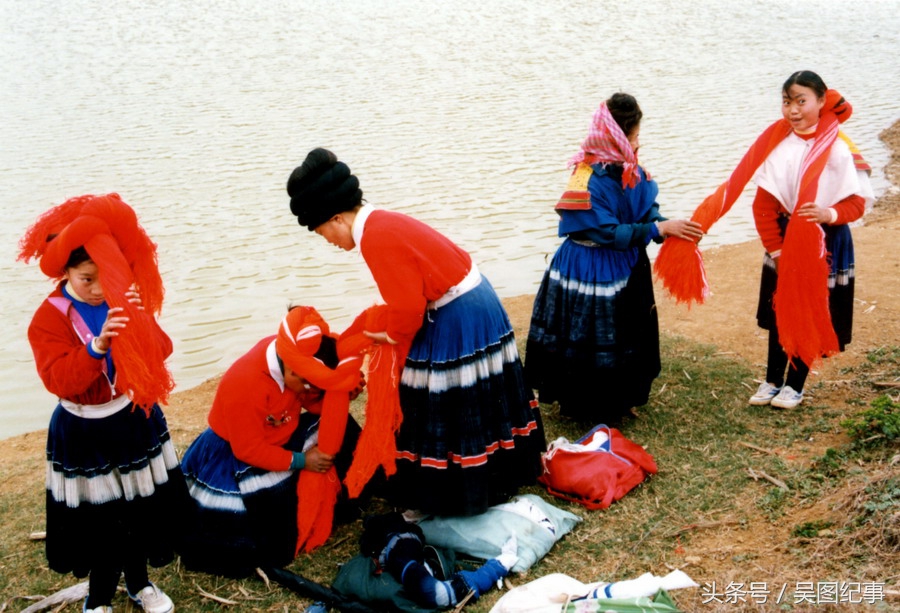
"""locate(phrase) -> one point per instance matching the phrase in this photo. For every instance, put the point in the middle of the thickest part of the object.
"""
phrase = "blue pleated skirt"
(244, 517)
(593, 342)
(113, 487)
(472, 433)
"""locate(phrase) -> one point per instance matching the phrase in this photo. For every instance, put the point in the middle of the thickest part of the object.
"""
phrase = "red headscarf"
(804, 324)
(109, 231)
(299, 337)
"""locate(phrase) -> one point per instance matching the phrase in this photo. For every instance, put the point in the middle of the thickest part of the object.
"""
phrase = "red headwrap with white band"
(299, 337)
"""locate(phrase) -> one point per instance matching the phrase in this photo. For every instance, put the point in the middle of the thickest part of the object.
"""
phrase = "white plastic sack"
(536, 524)
(549, 593)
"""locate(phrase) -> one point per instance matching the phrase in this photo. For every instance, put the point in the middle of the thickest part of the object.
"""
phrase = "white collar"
(274, 368)
(359, 222)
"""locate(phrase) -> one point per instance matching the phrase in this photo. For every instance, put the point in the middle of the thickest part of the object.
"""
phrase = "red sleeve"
(245, 396)
(766, 210)
(849, 209)
(63, 361)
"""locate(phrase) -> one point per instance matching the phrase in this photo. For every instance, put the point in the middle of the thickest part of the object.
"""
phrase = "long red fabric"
(298, 338)
(679, 263)
(109, 231)
(377, 444)
(804, 325)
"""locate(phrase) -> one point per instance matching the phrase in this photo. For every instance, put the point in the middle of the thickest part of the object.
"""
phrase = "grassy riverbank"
(744, 494)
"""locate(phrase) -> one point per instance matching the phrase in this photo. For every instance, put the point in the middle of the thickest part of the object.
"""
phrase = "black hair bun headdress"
(322, 187)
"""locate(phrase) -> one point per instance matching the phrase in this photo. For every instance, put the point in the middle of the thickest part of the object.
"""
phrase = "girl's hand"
(354, 394)
(815, 213)
(318, 461)
(681, 228)
(111, 326)
(134, 297)
(379, 337)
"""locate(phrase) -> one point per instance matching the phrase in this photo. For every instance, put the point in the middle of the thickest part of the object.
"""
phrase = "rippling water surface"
(461, 113)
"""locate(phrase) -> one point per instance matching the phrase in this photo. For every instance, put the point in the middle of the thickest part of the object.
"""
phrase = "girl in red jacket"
(244, 471)
(841, 193)
(811, 183)
(114, 487)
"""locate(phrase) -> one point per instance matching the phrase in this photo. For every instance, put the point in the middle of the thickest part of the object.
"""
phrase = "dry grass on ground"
(837, 521)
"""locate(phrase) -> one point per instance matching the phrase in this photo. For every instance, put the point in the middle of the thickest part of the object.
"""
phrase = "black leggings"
(778, 361)
(104, 580)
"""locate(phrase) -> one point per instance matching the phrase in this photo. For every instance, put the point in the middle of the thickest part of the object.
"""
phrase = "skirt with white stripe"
(245, 517)
(841, 283)
(113, 486)
(472, 433)
(593, 343)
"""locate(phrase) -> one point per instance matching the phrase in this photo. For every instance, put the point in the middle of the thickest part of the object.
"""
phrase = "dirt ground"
(728, 318)
(727, 321)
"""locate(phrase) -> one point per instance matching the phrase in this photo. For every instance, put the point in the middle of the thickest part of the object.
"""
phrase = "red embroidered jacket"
(247, 395)
(63, 361)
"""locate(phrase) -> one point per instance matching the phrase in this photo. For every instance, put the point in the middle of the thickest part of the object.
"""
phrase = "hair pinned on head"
(806, 78)
(625, 111)
(322, 187)
(317, 162)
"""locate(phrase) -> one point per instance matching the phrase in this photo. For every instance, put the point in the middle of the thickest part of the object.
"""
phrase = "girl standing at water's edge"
(593, 344)
(115, 492)
(840, 195)
(811, 183)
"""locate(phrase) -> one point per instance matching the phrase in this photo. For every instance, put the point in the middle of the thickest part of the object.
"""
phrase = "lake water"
(463, 114)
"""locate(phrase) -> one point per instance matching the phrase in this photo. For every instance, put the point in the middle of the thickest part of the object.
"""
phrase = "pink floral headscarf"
(606, 143)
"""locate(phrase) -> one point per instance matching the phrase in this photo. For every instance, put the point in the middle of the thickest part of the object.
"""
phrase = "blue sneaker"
(787, 398)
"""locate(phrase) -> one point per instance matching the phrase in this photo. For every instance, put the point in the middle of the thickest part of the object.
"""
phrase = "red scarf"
(299, 337)
(801, 297)
(377, 444)
(109, 231)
